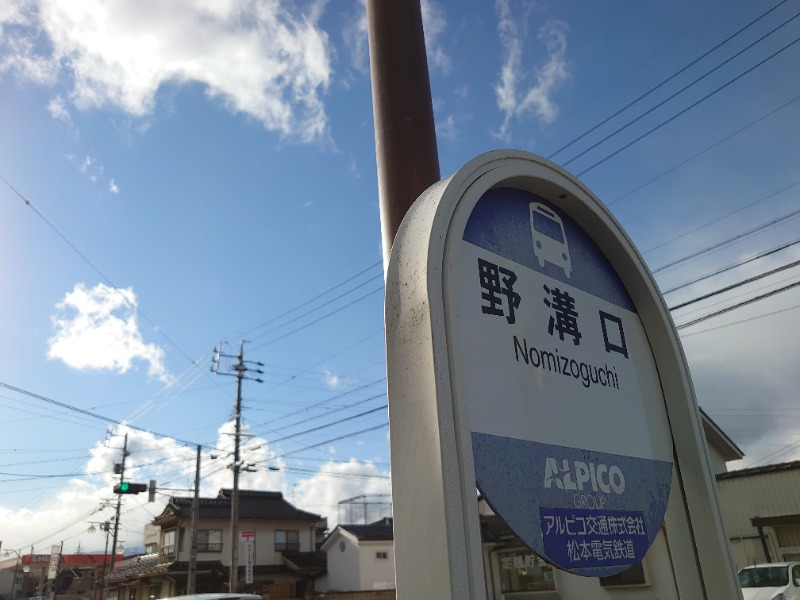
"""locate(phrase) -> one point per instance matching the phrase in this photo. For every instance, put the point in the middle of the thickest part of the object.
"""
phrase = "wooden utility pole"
(192, 575)
(119, 505)
(405, 134)
(240, 368)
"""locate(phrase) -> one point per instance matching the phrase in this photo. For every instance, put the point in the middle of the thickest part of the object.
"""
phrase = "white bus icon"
(549, 238)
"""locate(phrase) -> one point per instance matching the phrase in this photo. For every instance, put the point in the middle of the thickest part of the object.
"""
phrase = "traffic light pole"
(119, 505)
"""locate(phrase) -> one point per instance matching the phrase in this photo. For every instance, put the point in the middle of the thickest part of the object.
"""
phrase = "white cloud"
(101, 332)
(172, 465)
(331, 379)
(355, 38)
(434, 23)
(113, 187)
(59, 111)
(553, 70)
(335, 481)
(256, 57)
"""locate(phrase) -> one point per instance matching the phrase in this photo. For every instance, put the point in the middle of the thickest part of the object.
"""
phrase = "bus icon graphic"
(549, 238)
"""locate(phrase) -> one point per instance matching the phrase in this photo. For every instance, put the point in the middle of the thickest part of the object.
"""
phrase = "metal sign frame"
(437, 530)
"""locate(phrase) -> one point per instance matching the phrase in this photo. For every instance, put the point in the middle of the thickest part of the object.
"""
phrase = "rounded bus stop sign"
(531, 355)
(569, 435)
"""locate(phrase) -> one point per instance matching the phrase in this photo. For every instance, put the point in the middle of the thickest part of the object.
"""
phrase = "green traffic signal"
(125, 487)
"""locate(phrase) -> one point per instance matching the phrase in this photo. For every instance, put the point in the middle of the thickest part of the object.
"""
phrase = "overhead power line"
(730, 267)
(315, 298)
(727, 241)
(756, 318)
(94, 267)
(670, 78)
(739, 305)
(733, 286)
(315, 321)
(687, 109)
(703, 151)
(98, 416)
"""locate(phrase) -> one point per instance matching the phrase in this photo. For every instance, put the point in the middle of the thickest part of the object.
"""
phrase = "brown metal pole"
(405, 135)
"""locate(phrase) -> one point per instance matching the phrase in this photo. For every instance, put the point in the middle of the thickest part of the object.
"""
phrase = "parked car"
(772, 581)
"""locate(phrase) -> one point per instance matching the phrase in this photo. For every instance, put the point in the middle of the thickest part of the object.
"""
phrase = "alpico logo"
(602, 477)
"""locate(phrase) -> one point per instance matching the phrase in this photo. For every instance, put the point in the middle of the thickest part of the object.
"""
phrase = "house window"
(287, 540)
(168, 542)
(132, 594)
(382, 555)
(523, 571)
(209, 540)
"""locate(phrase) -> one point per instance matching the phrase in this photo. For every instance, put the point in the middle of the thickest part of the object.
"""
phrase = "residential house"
(761, 510)
(285, 558)
(360, 557)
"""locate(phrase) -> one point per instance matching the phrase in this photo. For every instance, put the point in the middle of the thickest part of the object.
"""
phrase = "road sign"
(249, 537)
(576, 405)
(55, 555)
(530, 353)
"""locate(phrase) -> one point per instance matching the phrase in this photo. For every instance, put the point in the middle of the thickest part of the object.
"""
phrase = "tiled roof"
(148, 565)
(494, 529)
(380, 530)
(774, 468)
(253, 505)
(306, 560)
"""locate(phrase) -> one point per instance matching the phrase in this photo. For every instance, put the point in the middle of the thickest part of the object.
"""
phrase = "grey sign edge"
(436, 522)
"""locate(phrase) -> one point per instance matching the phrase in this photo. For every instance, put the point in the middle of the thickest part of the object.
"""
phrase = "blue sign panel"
(593, 538)
(570, 441)
(552, 496)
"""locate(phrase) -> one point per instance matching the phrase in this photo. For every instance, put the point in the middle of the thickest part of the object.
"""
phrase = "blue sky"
(200, 172)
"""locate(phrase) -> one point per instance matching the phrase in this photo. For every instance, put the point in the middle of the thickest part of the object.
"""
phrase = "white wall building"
(360, 557)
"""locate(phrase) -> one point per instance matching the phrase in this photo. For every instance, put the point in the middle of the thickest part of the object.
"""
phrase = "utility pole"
(119, 504)
(104, 527)
(405, 133)
(240, 369)
(192, 576)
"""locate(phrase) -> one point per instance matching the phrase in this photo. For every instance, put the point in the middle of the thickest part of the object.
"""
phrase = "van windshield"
(764, 577)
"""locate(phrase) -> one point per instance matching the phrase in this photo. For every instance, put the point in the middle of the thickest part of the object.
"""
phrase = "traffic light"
(126, 487)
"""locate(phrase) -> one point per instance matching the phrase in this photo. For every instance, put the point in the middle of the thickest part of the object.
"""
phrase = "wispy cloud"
(97, 329)
(113, 187)
(434, 23)
(257, 58)
(59, 111)
(331, 379)
(517, 95)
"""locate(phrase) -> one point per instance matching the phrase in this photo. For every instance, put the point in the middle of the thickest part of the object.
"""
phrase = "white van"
(549, 238)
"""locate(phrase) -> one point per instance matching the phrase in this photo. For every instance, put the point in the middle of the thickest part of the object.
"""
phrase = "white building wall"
(759, 495)
(343, 565)
(716, 462)
(376, 573)
(265, 540)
